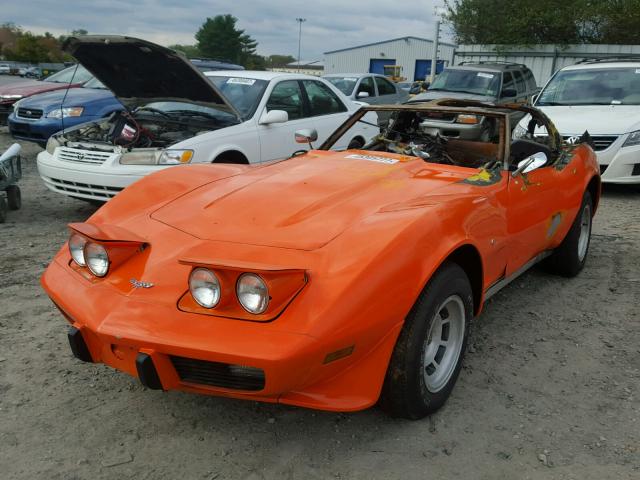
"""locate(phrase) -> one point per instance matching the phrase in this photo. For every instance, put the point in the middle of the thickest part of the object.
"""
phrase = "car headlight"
(204, 287)
(65, 112)
(76, 248)
(633, 139)
(139, 158)
(97, 259)
(175, 157)
(518, 132)
(52, 144)
(253, 293)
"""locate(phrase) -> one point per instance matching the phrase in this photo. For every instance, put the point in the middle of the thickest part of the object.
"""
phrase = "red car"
(11, 93)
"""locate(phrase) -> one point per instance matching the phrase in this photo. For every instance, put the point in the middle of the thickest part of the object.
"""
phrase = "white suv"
(601, 97)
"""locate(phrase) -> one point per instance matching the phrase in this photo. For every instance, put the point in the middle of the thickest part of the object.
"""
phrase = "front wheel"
(428, 355)
(569, 258)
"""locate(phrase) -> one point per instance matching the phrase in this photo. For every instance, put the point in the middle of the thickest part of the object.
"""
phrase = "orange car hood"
(305, 202)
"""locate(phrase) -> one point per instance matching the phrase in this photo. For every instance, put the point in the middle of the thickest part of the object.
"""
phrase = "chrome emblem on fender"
(140, 284)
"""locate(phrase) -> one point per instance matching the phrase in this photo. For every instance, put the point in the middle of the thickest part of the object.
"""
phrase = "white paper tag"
(242, 81)
(637, 70)
(485, 75)
(351, 79)
(373, 158)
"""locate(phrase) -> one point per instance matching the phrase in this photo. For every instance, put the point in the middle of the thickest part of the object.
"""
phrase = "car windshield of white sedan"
(183, 109)
(468, 81)
(243, 93)
(344, 84)
(597, 86)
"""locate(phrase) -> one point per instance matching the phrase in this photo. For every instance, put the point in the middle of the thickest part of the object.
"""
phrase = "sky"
(330, 24)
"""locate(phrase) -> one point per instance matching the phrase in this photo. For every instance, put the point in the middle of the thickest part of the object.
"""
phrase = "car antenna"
(65, 97)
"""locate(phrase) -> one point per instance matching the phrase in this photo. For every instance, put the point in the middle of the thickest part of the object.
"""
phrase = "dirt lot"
(550, 388)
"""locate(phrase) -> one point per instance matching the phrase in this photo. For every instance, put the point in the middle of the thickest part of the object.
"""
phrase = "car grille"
(85, 190)
(29, 113)
(600, 142)
(81, 156)
(216, 374)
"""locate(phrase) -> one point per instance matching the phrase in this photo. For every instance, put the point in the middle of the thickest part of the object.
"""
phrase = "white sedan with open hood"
(177, 115)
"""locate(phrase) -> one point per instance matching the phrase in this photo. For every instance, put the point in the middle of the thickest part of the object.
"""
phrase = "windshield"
(344, 84)
(468, 81)
(94, 83)
(70, 75)
(597, 86)
(243, 93)
(170, 109)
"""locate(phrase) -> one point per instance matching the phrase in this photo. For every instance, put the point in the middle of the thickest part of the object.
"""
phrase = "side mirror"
(306, 135)
(274, 116)
(509, 92)
(529, 164)
(362, 95)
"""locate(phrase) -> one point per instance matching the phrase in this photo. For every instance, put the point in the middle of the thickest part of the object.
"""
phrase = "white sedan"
(178, 116)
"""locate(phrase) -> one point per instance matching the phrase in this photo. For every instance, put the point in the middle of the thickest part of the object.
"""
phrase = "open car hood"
(140, 72)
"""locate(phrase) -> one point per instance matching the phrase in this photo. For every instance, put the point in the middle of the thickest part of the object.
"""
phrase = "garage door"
(376, 65)
(423, 68)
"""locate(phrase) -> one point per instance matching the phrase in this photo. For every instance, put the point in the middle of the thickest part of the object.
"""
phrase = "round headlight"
(76, 248)
(204, 287)
(96, 258)
(253, 293)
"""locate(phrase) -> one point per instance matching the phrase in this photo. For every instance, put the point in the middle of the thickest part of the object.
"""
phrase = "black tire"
(14, 197)
(3, 209)
(405, 392)
(355, 144)
(570, 257)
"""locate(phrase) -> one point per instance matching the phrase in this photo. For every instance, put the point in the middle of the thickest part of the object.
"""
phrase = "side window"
(520, 84)
(288, 97)
(385, 87)
(322, 101)
(366, 85)
(531, 81)
(507, 82)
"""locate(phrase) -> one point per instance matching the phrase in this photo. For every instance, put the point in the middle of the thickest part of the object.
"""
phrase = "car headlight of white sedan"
(155, 157)
(65, 112)
(518, 132)
(633, 139)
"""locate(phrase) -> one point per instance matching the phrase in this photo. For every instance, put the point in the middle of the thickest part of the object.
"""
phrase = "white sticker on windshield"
(373, 158)
(350, 79)
(242, 81)
(637, 70)
(485, 75)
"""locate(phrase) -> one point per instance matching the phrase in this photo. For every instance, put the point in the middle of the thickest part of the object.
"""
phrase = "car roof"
(356, 75)
(590, 65)
(484, 67)
(258, 74)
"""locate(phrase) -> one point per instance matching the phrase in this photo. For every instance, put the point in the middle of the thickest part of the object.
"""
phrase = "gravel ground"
(550, 386)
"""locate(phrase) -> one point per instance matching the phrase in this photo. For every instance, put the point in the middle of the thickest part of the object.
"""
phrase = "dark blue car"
(37, 117)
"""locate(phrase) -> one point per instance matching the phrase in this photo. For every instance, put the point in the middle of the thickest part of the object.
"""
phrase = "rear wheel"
(14, 197)
(428, 355)
(355, 144)
(569, 258)
(3, 209)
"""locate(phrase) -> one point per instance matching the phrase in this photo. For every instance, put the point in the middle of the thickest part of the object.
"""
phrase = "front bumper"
(87, 181)
(39, 130)
(173, 350)
(620, 164)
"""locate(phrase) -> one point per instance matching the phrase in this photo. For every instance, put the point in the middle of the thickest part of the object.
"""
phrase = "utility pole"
(300, 20)
(434, 59)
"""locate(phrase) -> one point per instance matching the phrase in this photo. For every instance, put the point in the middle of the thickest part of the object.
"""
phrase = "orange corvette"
(331, 280)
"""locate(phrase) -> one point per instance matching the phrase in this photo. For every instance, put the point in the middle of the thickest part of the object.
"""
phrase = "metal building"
(413, 54)
(543, 60)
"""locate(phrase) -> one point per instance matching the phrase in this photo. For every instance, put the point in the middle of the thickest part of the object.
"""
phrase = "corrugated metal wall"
(405, 51)
(543, 60)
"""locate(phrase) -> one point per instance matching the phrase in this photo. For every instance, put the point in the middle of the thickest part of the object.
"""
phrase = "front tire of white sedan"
(569, 258)
(428, 355)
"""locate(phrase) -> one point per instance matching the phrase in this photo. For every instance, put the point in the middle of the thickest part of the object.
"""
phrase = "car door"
(367, 86)
(277, 140)
(387, 91)
(325, 109)
(535, 214)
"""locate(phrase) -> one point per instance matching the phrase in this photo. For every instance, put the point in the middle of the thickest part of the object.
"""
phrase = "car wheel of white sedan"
(428, 355)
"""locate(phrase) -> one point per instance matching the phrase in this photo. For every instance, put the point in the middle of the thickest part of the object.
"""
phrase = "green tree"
(523, 22)
(191, 51)
(28, 48)
(79, 31)
(219, 38)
